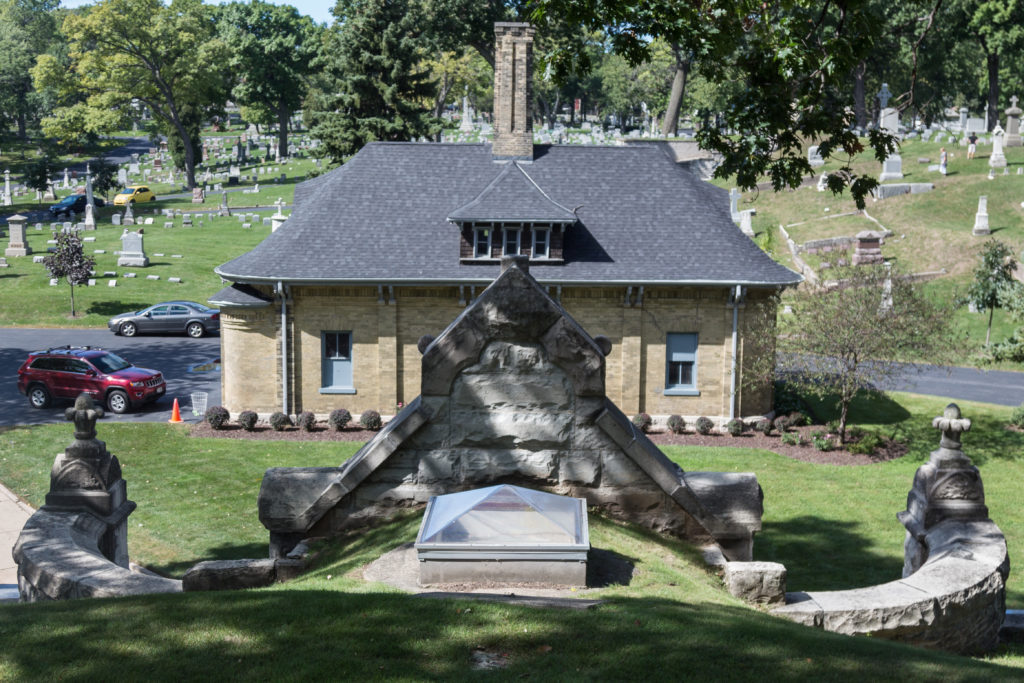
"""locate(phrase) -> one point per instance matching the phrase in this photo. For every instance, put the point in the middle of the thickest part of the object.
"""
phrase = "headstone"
(18, 244)
(132, 251)
(868, 248)
(198, 195)
(112, 283)
(67, 180)
(90, 219)
(174, 279)
(129, 216)
(233, 175)
(148, 221)
(467, 119)
(133, 168)
(814, 158)
(122, 177)
(186, 219)
(823, 182)
(3, 262)
(152, 277)
(115, 219)
(1013, 138)
(8, 197)
(981, 218)
(892, 168)
(734, 204)
(89, 201)
(158, 164)
(997, 159)
(745, 223)
(977, 125)
(223, 209)
(963, 118)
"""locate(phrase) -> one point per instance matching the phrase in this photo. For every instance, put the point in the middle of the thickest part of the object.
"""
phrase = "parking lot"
(179, 358)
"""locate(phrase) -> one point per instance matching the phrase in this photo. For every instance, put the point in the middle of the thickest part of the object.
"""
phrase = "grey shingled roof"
(382, 218)
(513, 196)
(240, 295)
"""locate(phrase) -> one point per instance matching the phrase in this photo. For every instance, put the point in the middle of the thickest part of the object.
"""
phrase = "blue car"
(74, 202)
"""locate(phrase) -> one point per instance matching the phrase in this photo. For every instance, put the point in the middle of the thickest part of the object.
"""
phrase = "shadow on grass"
(322, 634)
(824, 554)
(242, 551)
(109, 308)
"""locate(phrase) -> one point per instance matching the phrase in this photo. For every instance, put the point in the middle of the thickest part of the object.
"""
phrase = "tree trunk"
(282, 132)
(844, 409)
(22, 126)
(993, 90)
(72, 287)
(670, 125)
(988, 332)
(186, 144)
(859, 109)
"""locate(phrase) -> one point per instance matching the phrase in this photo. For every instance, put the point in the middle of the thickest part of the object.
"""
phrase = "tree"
(27, 29)
(70, 263)
(992, 276)
(36, 175)
(104, 176)
(795, 59)
(272, 53)
(848, 336)
(382, 91)
(166, 57)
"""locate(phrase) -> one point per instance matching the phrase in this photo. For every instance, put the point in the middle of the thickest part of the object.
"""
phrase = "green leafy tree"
(272, 53)
(104, 176)
(37, 174)
(382, 90)
(794, 59)
(165, 57)
(848, 336)
(992, 277)
(70, 263)
(27, 29)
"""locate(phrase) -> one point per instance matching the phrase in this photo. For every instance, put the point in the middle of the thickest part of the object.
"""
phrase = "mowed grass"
(833, 527)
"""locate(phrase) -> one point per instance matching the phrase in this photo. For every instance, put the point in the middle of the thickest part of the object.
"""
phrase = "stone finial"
(84, 414)
(951, 424)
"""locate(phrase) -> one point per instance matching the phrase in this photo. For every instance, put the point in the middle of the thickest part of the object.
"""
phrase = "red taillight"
(215, 316)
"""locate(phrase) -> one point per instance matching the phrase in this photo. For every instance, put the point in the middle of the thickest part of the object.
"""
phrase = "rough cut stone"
(757, 582)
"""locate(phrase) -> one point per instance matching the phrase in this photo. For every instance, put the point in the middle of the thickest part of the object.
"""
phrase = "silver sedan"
(168, 317)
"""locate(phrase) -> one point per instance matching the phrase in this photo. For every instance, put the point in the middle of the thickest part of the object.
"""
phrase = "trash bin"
(199, 403)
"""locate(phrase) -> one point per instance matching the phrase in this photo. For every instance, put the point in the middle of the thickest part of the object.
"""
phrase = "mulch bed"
(887, 451)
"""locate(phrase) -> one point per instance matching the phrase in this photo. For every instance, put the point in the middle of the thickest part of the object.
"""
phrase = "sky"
(319, 10)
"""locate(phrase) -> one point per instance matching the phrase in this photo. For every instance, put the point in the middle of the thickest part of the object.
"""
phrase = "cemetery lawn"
(28, 300)
(197, 500)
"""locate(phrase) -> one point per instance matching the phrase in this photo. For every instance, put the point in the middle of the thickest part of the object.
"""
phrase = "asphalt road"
(173, 356)
(964, 384)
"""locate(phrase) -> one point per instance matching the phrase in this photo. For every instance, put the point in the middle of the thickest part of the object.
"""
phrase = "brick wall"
(387, 326)
(513, 90)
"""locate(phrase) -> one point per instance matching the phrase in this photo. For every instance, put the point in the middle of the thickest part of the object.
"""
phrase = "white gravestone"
(997, 158)
(1013, 138)
(122, 177)
(129, 216)
(132, 251)
(814, 157)
(8, 199)
(18, 244)
(981, 218)
(90, 219)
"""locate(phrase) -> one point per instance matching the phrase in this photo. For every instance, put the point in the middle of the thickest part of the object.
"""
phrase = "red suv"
(68, 371)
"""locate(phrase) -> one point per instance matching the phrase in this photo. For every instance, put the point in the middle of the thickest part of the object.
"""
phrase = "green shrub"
(338, 419)
(787, 400)
(832, 426)
(866, 445)
(279, 421)
(781, 424)
(642, 422)
(799, 418)
(370, 419)
(306, 420)
(676, 424)
(735, 427)
(855, 433)
(791, 438)
(822, 443)
(764, 426)
(247, 419)
(1017, 418)
(704, 425)
(217, 416)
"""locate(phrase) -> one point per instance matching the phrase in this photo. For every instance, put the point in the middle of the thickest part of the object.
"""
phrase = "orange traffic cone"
(175, 413)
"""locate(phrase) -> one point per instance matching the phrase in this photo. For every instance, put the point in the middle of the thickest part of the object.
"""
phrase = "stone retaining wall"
(58, 556)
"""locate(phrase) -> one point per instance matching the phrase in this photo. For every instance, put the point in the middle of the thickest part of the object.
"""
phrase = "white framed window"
(541, 242)
(681, 364)
(510, 245)
(482, 241)
(336, 363)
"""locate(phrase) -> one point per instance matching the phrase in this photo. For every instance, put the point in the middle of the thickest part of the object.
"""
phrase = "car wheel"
(38, 396)
(129, 329)
(195, 330)
(117, 402)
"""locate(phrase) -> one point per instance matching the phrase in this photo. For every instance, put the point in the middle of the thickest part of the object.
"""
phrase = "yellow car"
(134, 193)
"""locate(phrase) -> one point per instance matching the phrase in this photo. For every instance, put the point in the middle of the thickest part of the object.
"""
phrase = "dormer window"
(541, 242)
(482, 242)
(512, 240)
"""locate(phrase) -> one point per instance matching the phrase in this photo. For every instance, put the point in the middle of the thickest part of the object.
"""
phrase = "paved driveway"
(173, 356)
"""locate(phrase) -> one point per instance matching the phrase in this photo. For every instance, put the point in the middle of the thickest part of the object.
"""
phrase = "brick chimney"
(513, 91)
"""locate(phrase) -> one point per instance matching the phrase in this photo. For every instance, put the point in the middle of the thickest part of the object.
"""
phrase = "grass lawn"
(833, 527)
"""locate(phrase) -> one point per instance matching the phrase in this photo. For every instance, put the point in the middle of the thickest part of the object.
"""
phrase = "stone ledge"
(953, 602)
(58, 558)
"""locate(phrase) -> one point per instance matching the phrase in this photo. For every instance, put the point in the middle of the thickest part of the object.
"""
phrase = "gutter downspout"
(284, 346)
(737, 293)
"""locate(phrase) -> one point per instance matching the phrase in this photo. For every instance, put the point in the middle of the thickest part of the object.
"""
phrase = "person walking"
(943, 160)
(972, 145)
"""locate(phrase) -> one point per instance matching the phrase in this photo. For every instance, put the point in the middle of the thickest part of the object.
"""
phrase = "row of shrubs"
(704, 425)
(218, 416)
(858, 440)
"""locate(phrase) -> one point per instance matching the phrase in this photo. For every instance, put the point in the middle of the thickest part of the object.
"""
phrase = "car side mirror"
(148, 314)
(90, 373)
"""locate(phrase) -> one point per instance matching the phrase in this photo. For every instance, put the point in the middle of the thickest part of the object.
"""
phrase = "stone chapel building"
(327, 311)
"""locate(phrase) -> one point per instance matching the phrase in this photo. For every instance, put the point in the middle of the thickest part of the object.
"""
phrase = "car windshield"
(109, 362)
(69, 200)
(127, 190)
